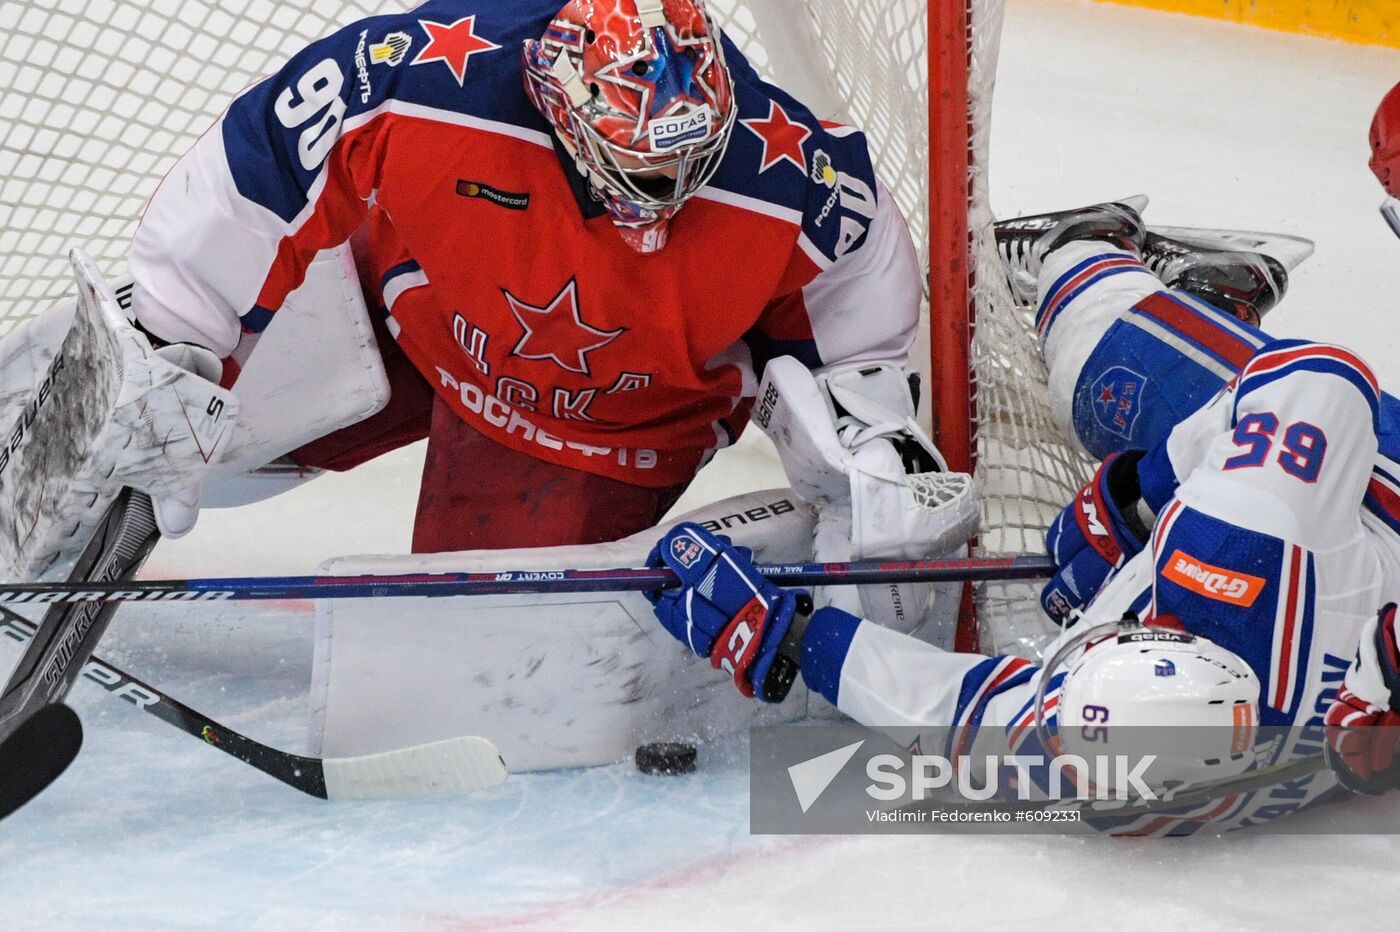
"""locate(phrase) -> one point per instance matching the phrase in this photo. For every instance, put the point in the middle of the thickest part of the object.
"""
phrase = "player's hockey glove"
(726, 611)
(1093, 536)
(1363, 723)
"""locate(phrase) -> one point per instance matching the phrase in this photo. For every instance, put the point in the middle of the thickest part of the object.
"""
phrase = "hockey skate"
(1243, 274)
(1023, 242)
(1242, 283)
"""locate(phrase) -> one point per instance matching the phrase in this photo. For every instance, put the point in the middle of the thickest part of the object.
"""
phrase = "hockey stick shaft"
(307, 774)
(1248, 782)
(514, 581)
(68, 634)
(42, 735)
(302, 773)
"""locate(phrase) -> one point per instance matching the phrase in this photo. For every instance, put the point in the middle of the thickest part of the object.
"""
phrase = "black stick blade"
(37, 753)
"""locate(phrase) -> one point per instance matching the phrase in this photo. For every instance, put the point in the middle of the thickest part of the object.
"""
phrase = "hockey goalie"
(561, 245)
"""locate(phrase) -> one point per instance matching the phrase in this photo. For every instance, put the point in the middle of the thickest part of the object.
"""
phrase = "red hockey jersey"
(496, 268)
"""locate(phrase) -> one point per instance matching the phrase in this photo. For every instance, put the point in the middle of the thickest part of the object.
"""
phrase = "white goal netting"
(100, 97)
(873, 71)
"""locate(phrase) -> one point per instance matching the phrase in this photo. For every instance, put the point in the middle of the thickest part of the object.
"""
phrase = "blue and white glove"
(726, 611)
(1093, 536)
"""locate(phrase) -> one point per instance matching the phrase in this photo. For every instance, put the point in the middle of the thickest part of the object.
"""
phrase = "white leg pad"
(552, 681)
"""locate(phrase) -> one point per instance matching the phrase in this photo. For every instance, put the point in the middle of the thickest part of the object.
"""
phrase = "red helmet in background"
(1385, 142)
(1385, 154)
(638, 92)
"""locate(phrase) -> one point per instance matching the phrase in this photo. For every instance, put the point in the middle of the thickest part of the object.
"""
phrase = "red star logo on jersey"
(1106, 395)
(556, 331)
(454, 44)
(782, 138)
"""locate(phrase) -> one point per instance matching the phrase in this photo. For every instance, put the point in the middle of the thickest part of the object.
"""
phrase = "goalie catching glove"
(725, 611)
(851, 447)
(1363, 723)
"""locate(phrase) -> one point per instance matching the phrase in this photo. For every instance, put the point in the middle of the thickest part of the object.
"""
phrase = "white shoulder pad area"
(552, 681)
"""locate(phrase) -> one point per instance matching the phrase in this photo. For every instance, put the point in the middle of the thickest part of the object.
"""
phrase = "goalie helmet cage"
(101, 96)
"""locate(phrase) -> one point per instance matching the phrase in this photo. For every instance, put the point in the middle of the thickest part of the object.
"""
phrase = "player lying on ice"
(1247, 508)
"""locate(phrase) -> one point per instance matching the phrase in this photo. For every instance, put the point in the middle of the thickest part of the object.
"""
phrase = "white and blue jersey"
(1273, 469)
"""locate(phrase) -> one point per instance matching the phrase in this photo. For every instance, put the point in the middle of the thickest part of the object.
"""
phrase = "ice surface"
(1223, 126)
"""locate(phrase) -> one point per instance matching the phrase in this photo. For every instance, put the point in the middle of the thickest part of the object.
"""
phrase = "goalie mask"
(1141, 691)
(638, 92)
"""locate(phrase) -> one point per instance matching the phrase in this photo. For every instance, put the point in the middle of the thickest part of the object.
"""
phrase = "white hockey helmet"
(1135, 690)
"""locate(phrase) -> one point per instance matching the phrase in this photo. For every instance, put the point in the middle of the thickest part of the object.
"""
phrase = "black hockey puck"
(665, 758)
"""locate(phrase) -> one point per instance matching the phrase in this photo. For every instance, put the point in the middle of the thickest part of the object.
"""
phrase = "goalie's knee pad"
(319, 349)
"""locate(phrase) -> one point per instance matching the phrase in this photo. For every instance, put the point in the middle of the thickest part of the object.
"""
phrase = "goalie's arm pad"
(287, 171)
(863, 306)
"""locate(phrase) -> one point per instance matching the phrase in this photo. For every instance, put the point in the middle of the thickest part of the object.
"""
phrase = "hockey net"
(101, 96)
(917, 76)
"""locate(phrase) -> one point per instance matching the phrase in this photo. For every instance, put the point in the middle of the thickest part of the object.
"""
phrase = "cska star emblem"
(557, 332)
(782, 138)
(453, 45)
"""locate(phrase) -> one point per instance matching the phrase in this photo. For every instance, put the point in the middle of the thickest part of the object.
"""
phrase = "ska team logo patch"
(686, 550)
(1118, 400)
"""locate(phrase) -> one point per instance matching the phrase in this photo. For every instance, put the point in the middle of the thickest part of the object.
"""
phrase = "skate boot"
(1023, 242)
(1246, 285)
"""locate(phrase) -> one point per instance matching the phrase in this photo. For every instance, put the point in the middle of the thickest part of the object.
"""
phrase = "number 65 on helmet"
(1187, 703)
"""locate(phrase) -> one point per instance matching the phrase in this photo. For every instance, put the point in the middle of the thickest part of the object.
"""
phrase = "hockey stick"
(39, 740)
(67, 635)
(1199, 795)
(36, 753)
(514, 581)
(456, 765)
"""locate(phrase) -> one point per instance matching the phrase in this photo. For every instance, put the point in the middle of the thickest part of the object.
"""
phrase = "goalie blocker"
(94, 408)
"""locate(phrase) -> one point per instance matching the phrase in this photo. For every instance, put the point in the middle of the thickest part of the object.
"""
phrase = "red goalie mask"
(638, 92)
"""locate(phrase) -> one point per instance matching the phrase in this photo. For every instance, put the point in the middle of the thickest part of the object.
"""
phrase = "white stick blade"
(457, 765)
